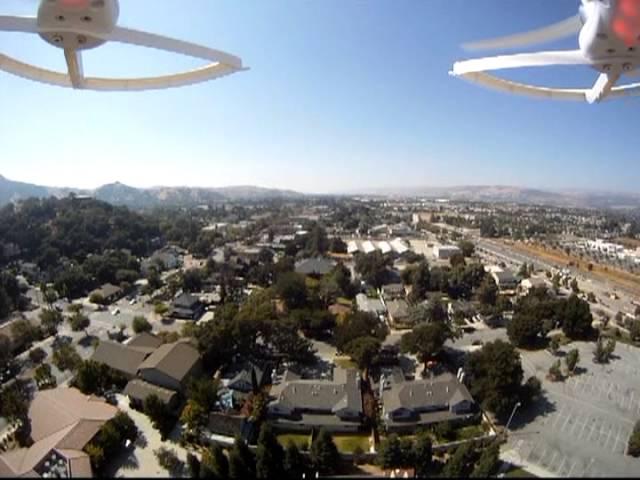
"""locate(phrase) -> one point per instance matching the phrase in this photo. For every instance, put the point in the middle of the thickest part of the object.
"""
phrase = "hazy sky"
(341, 95)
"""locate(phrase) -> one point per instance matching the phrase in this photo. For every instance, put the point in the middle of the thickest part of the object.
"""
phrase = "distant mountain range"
(120, 194)
(521, 195)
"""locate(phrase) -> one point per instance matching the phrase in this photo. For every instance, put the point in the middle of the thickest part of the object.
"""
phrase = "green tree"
(66, 358)
(324, 453)
(167, 459)
(291, 287)
(489, 462)
(216, 461)
(159, 415)
(242, 463)
(555, 374)
(633, 447)
(357, 325)
(372, 267)
(460, 463)
(576, 318)
(79, 322)
(457, 259)
(495, 375)
(24, 332)
(141, 324)
(572, 359)
(269, 454)
(524, 330)
(425, 341)
(44, 378)
(487, 292)
(634, 330)
(5, 350)
(390, 454)
(603, 351)
(295, 464)
(466, 247)
(364, 352)
(50, 320)
(423, 454)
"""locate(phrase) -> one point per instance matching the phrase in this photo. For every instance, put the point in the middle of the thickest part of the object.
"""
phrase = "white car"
(115, 311)
(132, 301)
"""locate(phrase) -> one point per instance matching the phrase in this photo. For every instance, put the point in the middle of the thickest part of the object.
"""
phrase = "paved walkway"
(513, 458)
(141, 461)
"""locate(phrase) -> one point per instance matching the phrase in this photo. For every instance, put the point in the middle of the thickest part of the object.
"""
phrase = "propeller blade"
(565, 28)
(520, 60)
(19, 24)
(74, 66)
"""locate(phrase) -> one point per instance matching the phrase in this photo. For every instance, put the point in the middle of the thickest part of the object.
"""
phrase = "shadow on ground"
(525, 415)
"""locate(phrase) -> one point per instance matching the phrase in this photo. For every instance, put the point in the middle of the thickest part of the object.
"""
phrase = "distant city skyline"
(342, 97)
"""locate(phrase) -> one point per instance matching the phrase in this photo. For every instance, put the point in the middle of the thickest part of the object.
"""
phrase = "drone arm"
(602, 87)
(74, 66)
(539, 59)
(18, 24)
(151, 40)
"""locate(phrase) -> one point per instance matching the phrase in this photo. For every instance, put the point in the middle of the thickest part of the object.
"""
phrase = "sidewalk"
(512, 457)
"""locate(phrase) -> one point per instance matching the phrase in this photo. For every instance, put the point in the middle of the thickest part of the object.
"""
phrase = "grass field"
(519, 473)
(348, 443)
(303, 441)
(345, 362)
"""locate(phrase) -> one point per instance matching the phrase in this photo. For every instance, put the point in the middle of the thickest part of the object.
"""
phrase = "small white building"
(445, 252)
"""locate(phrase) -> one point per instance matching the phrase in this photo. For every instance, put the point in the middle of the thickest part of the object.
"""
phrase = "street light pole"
(515, 407)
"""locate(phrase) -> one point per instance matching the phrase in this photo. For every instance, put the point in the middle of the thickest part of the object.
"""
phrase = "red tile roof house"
(63, 422)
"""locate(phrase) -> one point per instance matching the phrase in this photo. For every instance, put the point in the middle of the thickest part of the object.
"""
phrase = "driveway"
(141, 461)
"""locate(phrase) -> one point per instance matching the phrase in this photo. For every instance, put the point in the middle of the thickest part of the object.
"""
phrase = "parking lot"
(583, 428)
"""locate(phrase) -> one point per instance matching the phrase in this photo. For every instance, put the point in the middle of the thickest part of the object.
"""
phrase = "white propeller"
(565, 28)
(520, 60)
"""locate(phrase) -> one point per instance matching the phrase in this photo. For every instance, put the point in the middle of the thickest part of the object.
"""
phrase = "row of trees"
(271, 459)
(537, 314)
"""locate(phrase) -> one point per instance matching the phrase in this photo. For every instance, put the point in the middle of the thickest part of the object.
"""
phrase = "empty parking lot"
(584, 428)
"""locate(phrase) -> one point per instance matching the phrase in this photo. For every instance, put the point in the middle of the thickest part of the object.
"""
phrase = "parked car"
(116, 311)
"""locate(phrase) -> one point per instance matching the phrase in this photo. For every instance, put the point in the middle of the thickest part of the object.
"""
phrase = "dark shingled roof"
(122, 358)
(173, 359)
(315, 266)
(140, 390)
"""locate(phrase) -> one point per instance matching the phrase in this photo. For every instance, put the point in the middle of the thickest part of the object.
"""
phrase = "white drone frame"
(600, 48)
(475, 71)
(222, 63)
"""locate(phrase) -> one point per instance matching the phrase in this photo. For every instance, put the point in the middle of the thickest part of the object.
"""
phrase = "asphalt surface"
(582, 427)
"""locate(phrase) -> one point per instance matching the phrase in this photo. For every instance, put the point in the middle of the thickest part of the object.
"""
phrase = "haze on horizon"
(341, 97)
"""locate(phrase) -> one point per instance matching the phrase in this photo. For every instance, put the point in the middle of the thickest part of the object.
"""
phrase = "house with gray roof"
(370, 305)
(393, 291)
(124, 359)
(315, 267)
(304, 404)
(505, 280)
(399, 313)
(409, 404)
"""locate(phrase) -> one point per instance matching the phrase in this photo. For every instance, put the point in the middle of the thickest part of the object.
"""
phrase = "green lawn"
(348, 443)
(300, 439)
(471, 431)
(519, 473)
(345, 362)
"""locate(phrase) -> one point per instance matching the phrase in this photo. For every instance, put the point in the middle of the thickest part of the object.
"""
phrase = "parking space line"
(608, 437)
(558, 416)
(564, 425)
